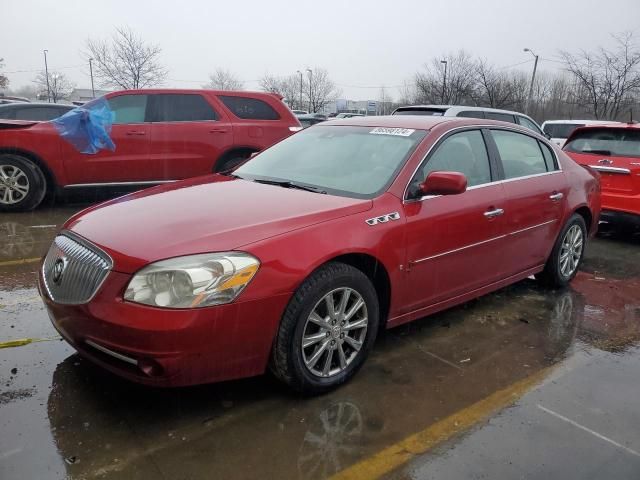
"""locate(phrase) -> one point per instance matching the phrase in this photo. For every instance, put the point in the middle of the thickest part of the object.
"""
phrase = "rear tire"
(339, 342)
(567, 254)
(22, 184)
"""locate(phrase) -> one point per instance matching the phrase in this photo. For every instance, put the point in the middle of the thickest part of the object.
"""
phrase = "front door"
(455, 242)
(129, 162)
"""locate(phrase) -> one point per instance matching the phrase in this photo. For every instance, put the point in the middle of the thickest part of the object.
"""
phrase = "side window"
(548, 157)
(249, 108)
(520, 154)
(179, 108)
(128, 108)
(463, 152)
(525, 122)
(471, 114)
(503, 117)
(33, 113)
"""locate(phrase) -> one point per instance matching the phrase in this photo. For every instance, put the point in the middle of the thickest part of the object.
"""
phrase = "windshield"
(560, 130)
(620, 142)
(342, 160)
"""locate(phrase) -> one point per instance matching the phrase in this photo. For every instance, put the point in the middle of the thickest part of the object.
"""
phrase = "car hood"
(206, 214)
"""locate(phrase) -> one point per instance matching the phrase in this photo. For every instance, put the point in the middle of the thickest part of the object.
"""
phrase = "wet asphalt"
(61, 417)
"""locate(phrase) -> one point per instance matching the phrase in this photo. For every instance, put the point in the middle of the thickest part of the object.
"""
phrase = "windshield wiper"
(289, 184)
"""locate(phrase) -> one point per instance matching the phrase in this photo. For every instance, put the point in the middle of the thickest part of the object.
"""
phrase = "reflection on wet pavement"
(61, 416)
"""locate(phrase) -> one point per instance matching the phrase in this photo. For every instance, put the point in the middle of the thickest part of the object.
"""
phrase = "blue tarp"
(87, 129)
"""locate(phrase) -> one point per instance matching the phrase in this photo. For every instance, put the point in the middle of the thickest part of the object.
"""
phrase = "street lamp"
(444, 79)
(93, 90)
(300, 104)
(533, 77)
(46, 72)
(310, 78)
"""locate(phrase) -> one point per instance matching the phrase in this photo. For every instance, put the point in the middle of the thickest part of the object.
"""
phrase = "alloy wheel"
(334, 332)
(14, 184)
(571, 250)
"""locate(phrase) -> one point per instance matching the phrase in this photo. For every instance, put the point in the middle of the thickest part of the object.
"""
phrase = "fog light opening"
(150, 367)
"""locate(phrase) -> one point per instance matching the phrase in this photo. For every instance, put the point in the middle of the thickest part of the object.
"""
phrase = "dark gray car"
(33, 111)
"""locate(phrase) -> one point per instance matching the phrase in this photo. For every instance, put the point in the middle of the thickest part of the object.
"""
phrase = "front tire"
(567, 254)
(327, 330)
(22, 184)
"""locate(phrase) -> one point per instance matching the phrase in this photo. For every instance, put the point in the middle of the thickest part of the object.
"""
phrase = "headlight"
(194, 281)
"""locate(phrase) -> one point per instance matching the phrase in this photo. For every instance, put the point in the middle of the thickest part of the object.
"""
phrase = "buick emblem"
(605, 161)
(58, 270)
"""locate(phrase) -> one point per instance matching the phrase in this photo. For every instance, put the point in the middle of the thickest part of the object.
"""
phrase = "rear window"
(249, 108)
(502, 117)
(179, 108)
(620, 142)
(471, 114)
(560, 130)
(433, 112)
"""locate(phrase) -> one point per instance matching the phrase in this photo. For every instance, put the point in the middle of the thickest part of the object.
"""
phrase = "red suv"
(613, 151)
(160, 136)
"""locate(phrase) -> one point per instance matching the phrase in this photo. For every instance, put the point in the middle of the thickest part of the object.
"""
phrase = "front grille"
(74, 270)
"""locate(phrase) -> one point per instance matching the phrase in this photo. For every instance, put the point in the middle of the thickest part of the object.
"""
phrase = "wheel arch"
(375, 270)
(586, 214)
(42, 165)
(236, 150)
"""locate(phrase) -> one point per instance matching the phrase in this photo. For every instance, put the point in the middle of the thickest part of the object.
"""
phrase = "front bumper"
(165, 347)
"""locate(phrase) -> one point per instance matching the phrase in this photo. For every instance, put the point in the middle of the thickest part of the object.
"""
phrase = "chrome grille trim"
(85, 269)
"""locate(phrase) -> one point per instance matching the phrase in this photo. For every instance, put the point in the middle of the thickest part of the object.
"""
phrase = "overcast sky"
(361, 43)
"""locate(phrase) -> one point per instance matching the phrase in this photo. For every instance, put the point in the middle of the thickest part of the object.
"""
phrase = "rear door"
(187, 135)
(536, 192)
(455, 242)
(130, 161)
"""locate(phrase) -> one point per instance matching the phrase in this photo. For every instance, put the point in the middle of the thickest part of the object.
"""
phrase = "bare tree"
(492, 88)
(609, 78)
(4, 81)
(456, 88)
(223, 79)
(60, 87)
(126, 61)
(290, 87)
(320, 90)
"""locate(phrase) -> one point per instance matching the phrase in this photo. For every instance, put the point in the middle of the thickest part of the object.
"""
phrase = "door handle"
(136, 132)
(496, 212)
(556, 196)
(218, 130)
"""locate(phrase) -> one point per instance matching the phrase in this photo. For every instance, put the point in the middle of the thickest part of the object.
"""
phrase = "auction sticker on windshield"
(401, 132)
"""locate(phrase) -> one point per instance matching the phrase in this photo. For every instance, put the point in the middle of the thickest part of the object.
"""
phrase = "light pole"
(93, 90)
(444, 79)
(533, 77)
(300, 105)
(46, 73)
(310, 78)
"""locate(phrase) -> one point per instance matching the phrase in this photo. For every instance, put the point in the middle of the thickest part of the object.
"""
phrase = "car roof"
(420, 122)
(614, 125)
(579, 122)
(36, 104)
(459, 108)
(234, 93)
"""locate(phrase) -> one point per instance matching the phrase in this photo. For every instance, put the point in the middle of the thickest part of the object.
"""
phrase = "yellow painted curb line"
(19, 262)
(396, 455)
(25, 341)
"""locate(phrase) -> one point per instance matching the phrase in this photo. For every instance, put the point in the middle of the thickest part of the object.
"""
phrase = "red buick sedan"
(298, 258)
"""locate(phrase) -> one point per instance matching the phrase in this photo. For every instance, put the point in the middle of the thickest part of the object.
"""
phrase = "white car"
(471, 112)
(559, 130)
(300, 112)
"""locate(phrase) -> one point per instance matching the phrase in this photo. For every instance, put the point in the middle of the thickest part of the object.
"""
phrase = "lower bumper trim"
(111, 353)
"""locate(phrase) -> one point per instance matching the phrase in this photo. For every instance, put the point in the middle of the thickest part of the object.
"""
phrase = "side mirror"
(444, 183)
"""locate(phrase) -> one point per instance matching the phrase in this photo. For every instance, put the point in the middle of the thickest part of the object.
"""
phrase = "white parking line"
(8, 453)
(588, 430)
